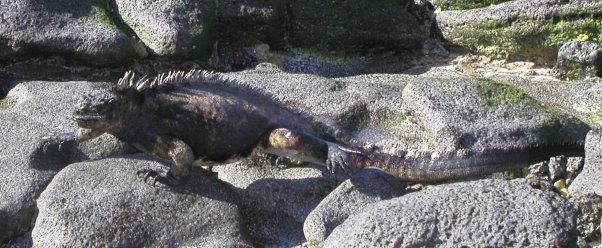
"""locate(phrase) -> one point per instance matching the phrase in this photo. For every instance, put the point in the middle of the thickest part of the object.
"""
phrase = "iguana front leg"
(79, 136)
(300, 146)
(169, 148)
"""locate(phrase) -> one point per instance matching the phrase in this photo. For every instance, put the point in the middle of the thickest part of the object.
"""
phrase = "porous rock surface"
(354, 25)
(512, 10)
(495, 213)
(178, 28)
(274, 202)
(76, 29)
(588, 181)
(367, 187)
(577, 60)
(469, 113)
(29, 118)
(103, 203)
(522, 29)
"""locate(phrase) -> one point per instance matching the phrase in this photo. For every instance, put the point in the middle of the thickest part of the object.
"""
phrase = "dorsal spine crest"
(131, 81)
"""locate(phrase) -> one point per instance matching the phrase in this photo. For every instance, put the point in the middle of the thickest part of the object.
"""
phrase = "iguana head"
(98, 111)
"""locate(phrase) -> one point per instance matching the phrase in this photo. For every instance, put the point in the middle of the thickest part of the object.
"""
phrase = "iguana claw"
(338, 157)
(55, 140)
(168, 180)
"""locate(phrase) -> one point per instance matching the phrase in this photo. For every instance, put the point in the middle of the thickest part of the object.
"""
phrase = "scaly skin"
(188, 118)
(425, 166)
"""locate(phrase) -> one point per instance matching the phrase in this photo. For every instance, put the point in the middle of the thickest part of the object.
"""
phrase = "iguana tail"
(463, 163)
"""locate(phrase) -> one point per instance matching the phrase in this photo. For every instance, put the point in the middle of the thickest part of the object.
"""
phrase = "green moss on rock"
(103, 15)
(500, 95)
(571, 70)
(5, 104)
(399, 125)
(394, 124)
(540, 38)
(464, 4)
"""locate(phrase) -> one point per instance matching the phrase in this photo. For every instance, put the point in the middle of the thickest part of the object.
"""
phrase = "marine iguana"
(197, 117)
(193, 117)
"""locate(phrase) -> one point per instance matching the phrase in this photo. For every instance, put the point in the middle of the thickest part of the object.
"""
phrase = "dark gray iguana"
(200, 117)
(193, 117)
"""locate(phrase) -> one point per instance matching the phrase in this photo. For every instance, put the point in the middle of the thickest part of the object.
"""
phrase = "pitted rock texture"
(275, 202)
(589, 215)
(27, 118)
(522, 29)
(494, 213)
(512, 10)
(367, 187)
(178, 28)
(355, 25)
(77, 29)
(588, 181)
(578, 60)
(468, 113)
(104, 203)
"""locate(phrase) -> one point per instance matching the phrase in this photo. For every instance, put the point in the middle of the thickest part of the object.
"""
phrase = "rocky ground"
(434, 97)
(255, 203)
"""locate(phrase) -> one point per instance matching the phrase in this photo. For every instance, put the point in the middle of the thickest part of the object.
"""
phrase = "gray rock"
(28, 118)
(501, 30)
(512, 10)
(276, 201)
(577, 60)
(363, 189)
(320, 64)
(494, 213)
(468, 113)
(81, 30)
(177, 28)
(22, 242)
(454, 5)
(557, 167)
(242, 21)
(589, 215)
(573, 168)
(376, 26)
(104, 203)
(580, 98)
(588, 181)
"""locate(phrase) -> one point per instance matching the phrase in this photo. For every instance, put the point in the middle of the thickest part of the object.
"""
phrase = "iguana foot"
(338, 157)
(52, 140)
(168, 180)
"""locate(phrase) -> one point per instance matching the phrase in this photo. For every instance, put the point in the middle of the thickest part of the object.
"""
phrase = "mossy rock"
(464, 4)
(498, 95)
(578, 60)
(5, 104)
(523, 29)
(524, 38)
